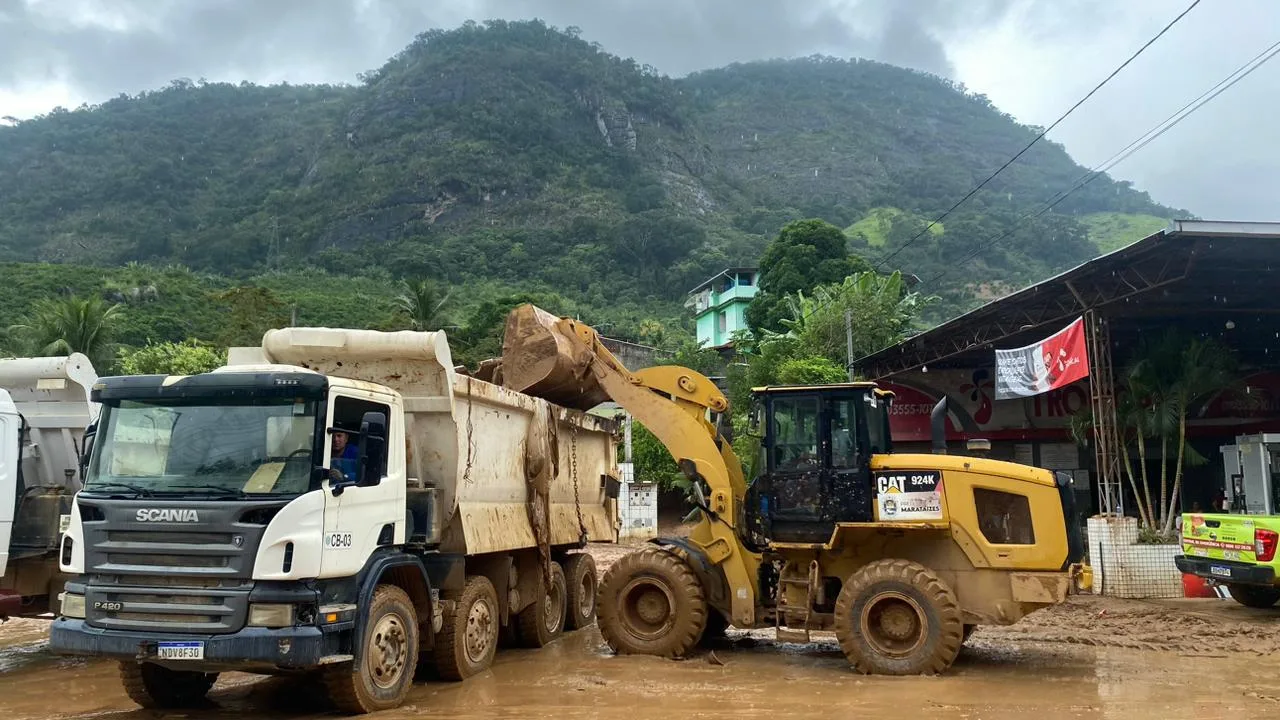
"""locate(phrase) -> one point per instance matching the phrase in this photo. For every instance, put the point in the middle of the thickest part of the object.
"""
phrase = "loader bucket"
(540, 360)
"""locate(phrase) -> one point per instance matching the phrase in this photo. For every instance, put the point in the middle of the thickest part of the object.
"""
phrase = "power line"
(1037, 138)
(1146, 138)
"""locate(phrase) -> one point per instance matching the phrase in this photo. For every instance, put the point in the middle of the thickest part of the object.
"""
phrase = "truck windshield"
(259, 446)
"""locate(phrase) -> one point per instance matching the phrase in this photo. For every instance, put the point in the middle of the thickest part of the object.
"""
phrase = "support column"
(1106, 435)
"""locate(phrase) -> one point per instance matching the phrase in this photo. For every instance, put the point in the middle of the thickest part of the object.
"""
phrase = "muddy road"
(1092, 658)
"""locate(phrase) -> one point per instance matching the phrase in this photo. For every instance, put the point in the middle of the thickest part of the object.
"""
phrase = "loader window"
(1004, 518)
(844, 431)
(794, 433)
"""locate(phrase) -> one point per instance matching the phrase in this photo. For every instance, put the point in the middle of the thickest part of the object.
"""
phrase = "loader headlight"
(271, 615)
(73, 606)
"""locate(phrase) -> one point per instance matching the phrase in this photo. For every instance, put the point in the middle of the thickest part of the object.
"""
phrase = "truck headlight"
(271, 615)
(73, 606)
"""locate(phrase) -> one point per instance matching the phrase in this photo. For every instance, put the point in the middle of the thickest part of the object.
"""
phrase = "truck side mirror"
(373, 448)
(86, 449)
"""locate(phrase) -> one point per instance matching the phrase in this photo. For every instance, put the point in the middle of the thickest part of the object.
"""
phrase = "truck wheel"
(580, 578)
(896, 617)
(468, 638)
(543, 620)
(388, 657)
(651, 603)
(159, 688)
(1254, 596)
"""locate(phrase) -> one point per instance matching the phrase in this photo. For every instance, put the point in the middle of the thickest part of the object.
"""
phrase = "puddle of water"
(744, 678)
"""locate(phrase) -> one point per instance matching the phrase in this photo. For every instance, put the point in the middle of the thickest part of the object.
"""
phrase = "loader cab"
(813, 469)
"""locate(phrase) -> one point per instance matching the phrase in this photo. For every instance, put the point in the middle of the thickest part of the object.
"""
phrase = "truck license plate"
(180, 651)
(1220, 571)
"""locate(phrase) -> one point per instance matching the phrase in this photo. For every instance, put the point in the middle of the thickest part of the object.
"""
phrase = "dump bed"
(479, 448)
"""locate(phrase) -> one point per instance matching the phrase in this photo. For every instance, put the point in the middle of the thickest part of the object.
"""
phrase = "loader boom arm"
(670, 401)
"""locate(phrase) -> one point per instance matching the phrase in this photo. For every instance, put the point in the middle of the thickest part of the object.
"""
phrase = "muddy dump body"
(479, 456)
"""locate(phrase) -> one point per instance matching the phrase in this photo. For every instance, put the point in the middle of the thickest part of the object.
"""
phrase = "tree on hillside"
(423, 303)
(68, 325)
(253, 311)
(188, 357)
(806, 253)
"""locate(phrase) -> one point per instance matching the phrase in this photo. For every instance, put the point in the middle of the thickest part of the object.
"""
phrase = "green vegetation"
(874, 227)
(514, 157)
(185, 358)
(806, 253)
(1112, 230)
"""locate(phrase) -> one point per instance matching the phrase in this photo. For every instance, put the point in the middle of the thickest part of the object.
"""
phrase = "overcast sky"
(1033, 58)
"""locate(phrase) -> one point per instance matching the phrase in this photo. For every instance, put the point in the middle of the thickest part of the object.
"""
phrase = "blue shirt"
(346, 463)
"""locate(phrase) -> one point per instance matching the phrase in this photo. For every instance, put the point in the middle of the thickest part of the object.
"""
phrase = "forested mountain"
(522, 156)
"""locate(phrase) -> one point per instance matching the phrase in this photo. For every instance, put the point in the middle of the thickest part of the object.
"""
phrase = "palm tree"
(68, 325)
(422, 302)
(1169, 374)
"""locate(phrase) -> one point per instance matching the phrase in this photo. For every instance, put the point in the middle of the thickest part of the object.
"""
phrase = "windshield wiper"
(139, 491)
(219, 488)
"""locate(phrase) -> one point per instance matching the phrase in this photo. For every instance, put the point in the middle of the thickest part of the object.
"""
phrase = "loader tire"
(1254, 596)
(159, 688)
(581, 580)
(542, 621)
(896, 617)
(388, 657)
(468, 638)
(651, 603)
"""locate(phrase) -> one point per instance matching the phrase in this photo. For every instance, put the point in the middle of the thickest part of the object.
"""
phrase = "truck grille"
(180, 577)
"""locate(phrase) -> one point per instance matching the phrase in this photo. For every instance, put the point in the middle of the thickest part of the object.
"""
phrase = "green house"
(720, 305)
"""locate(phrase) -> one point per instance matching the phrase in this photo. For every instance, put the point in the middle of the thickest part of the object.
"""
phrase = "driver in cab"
(344, 453)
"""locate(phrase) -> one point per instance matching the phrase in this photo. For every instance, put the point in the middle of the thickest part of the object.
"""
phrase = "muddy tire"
(159, 688)
(651, 603)
(542, 621)
(581, 579)
(1254, 596)
(468, 639)
(388, 657)
(896, 617)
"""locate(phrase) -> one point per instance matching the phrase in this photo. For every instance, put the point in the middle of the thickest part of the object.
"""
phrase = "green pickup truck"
(1238, 551)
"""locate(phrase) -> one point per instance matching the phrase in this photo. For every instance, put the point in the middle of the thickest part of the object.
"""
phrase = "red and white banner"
(1052, 363)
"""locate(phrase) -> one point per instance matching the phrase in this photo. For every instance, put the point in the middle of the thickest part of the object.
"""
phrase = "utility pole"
(627, 438)
(848, 338)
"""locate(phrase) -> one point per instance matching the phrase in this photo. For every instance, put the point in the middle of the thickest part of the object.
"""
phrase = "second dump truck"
(337, 502)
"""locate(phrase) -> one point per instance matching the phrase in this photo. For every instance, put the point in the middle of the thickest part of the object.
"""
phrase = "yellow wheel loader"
(901, 555)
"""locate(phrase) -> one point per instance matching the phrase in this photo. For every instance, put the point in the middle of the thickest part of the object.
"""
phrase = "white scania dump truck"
(44, 410)
(224, 525)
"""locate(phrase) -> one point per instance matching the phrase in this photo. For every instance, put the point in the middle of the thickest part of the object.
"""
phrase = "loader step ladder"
(792, 621)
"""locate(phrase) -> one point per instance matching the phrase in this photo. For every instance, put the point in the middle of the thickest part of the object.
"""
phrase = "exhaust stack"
(938, 427)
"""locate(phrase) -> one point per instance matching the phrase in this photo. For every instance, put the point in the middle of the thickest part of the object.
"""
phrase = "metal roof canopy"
(1216, 278)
